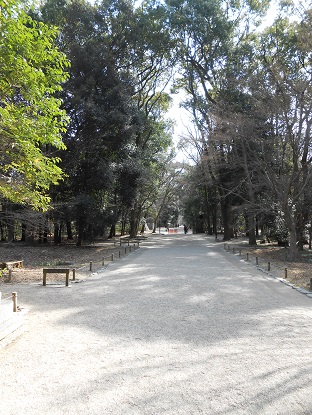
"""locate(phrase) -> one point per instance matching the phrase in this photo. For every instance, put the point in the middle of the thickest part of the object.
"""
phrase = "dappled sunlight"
(214, 254)
(190, 331)
(222, 379)
(201, 298)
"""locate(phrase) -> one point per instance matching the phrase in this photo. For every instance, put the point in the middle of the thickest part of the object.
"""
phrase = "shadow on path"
(178, 327)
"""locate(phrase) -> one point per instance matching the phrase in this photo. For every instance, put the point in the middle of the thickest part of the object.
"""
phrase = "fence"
(94, 266)
(266, 266)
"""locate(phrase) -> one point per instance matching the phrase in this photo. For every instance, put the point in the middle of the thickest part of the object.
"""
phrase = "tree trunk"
(45, 235)
(134, 222)
(226, 215)
(291, 225)
(69, 230)
(251, 228)
(112, 231)
(80, 233)
(55, 238)
(24, 227)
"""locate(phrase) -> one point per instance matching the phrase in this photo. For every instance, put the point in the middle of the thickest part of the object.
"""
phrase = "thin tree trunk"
(226, 214)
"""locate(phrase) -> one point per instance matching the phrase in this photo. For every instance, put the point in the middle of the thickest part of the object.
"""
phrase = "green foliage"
(31, 121)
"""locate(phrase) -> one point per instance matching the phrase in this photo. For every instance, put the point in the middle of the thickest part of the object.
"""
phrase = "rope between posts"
(88, 267)
(9, 297)
(266, 264)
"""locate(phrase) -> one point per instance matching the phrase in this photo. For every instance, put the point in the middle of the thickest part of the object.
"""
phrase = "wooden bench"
(56, 271)
(11, 264)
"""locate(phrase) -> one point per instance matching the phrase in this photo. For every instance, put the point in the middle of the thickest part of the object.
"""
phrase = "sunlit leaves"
(31, 121)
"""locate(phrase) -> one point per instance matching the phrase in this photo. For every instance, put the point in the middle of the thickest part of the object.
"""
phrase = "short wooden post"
(224, 246)
(90, 265)
(247, 256)
(128, 241)
(112, 257)
(269, 266)
(44, 281)
(14, 299)
(285, 273)
(74, 274)
(67, 278)
(103, 261)
(257, 261)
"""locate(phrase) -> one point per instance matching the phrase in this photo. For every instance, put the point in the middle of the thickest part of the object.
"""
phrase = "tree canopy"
(247, 88)
(32, 70)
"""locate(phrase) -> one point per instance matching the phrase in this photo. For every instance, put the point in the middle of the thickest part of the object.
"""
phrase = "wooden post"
(112, 257)
(128, 241)
(247, 256)
(44, 277)
(224, 246)
(257, 261)
(67, 278)
(74, 274)
(285, 273)
(269, 266)
(90, 265)
(14, 299)
(103, 261)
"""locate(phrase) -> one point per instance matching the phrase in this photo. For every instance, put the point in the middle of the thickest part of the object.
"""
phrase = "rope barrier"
(9, 297)
(268, 264)
(93, 266)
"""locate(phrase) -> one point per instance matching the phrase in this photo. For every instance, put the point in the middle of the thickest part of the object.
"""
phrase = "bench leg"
(44, 278)
(67, 279)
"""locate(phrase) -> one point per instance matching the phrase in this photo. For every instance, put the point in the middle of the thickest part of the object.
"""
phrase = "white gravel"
(177, 327)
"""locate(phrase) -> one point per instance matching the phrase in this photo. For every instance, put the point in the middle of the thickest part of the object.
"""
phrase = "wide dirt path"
(178, 327)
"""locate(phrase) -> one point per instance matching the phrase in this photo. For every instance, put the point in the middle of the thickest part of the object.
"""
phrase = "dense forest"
(86, 144)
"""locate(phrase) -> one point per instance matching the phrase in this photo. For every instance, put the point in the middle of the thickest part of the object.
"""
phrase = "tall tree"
(32, 70)
(283, 92)
(211, 38)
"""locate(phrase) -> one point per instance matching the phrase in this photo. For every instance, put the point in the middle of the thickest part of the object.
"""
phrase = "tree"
(211, 41)
(282, 91)
(116, 106)
(32, 70)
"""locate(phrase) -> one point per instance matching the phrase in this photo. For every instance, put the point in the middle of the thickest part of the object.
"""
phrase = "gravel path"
(177, 327)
